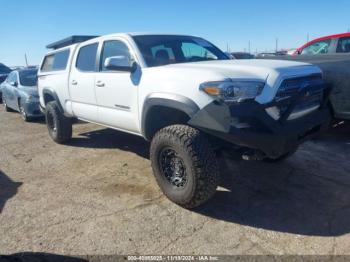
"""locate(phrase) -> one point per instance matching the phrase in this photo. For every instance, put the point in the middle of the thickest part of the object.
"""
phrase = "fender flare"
(174, 101)
(50, 92)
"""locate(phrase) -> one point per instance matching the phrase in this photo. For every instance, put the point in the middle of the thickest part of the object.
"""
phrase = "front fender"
(174, 101)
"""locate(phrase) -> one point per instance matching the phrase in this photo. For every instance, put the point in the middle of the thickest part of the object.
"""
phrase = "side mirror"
(15, 84)
(120, 63)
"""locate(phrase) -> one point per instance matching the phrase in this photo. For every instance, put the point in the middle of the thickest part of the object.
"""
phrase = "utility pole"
(276, 45)
(249, 47)
(307, 38)
(25, 58)
(227, 47)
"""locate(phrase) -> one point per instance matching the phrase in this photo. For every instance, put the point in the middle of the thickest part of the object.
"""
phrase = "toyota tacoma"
(185, 96)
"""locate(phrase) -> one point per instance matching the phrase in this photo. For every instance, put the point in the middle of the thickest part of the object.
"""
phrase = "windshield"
(28, 77)
(160, 50)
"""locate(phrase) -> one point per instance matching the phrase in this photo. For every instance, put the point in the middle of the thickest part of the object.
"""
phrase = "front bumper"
(248, 125)
(32, 109)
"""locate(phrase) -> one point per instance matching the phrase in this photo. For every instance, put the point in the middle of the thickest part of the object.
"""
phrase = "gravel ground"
(97, 195)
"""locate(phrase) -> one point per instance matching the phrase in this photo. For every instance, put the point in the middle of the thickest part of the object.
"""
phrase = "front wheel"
(59, 126)
(184, 165)
(7, 109)
(23, 112)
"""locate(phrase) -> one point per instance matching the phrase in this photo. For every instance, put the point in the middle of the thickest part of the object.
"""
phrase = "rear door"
(82, 82)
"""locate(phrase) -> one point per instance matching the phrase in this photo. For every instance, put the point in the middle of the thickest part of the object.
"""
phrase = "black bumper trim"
(249, 125)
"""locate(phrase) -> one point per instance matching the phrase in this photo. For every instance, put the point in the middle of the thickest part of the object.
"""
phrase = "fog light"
(274, 112)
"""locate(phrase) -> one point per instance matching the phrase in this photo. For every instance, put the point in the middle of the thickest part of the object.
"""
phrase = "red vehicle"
(331, 44)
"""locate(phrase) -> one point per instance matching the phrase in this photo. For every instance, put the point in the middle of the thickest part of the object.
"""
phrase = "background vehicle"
(185, 96)
(20, 93)
(331, 54)
(4, 71)
(242, 55)
(339, 43)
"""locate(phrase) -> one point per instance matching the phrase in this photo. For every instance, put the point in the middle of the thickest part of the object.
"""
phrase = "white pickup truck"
(184, 95)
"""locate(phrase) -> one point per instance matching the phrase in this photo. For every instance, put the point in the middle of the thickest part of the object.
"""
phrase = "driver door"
(116, 91)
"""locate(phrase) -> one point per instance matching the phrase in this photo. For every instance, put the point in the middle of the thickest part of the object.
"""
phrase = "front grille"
(292, 86)
(312, 88)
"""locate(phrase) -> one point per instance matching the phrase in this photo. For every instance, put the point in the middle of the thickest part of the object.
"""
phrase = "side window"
(320, 47)
(343, 45)
(86, 60)
(9, 77)
(12, 77)
(56, 61)
(60, 61)
(47, 64)
(113, 48)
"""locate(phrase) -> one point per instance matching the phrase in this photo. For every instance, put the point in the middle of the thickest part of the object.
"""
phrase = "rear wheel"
(184, 165)
(58, 125)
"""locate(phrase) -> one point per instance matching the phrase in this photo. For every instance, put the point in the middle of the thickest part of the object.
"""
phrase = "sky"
(27, 26)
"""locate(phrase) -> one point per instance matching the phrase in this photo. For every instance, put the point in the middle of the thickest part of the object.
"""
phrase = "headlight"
(31, 98)
(233, 91)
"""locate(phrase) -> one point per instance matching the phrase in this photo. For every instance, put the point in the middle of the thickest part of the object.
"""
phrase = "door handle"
(74, 83)
(100, 83)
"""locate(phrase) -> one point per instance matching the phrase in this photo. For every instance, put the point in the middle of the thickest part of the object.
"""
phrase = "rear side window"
(86, 60)
(47, 64)
(343, 45)
(55, 62)
(60, 61)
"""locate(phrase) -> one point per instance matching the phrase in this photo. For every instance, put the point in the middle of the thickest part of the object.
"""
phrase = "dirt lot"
(97, 195)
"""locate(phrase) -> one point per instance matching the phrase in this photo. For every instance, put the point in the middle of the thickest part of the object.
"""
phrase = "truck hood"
(272, 72)
(251, 68)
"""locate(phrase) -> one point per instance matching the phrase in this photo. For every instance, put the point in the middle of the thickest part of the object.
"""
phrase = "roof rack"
(70, 40)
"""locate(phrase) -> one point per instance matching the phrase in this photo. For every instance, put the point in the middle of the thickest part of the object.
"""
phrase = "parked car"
(242, 55)
(4, 71)
(187, 98)
(332, 55)
(339, 43)
(266, 54)
(20, 93)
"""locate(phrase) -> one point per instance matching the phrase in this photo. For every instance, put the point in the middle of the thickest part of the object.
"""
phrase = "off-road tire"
(199, 160)
(58, 125)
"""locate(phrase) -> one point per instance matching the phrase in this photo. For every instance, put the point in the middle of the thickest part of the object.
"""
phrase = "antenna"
(249, 47)
(307, 38)
(25, 58)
